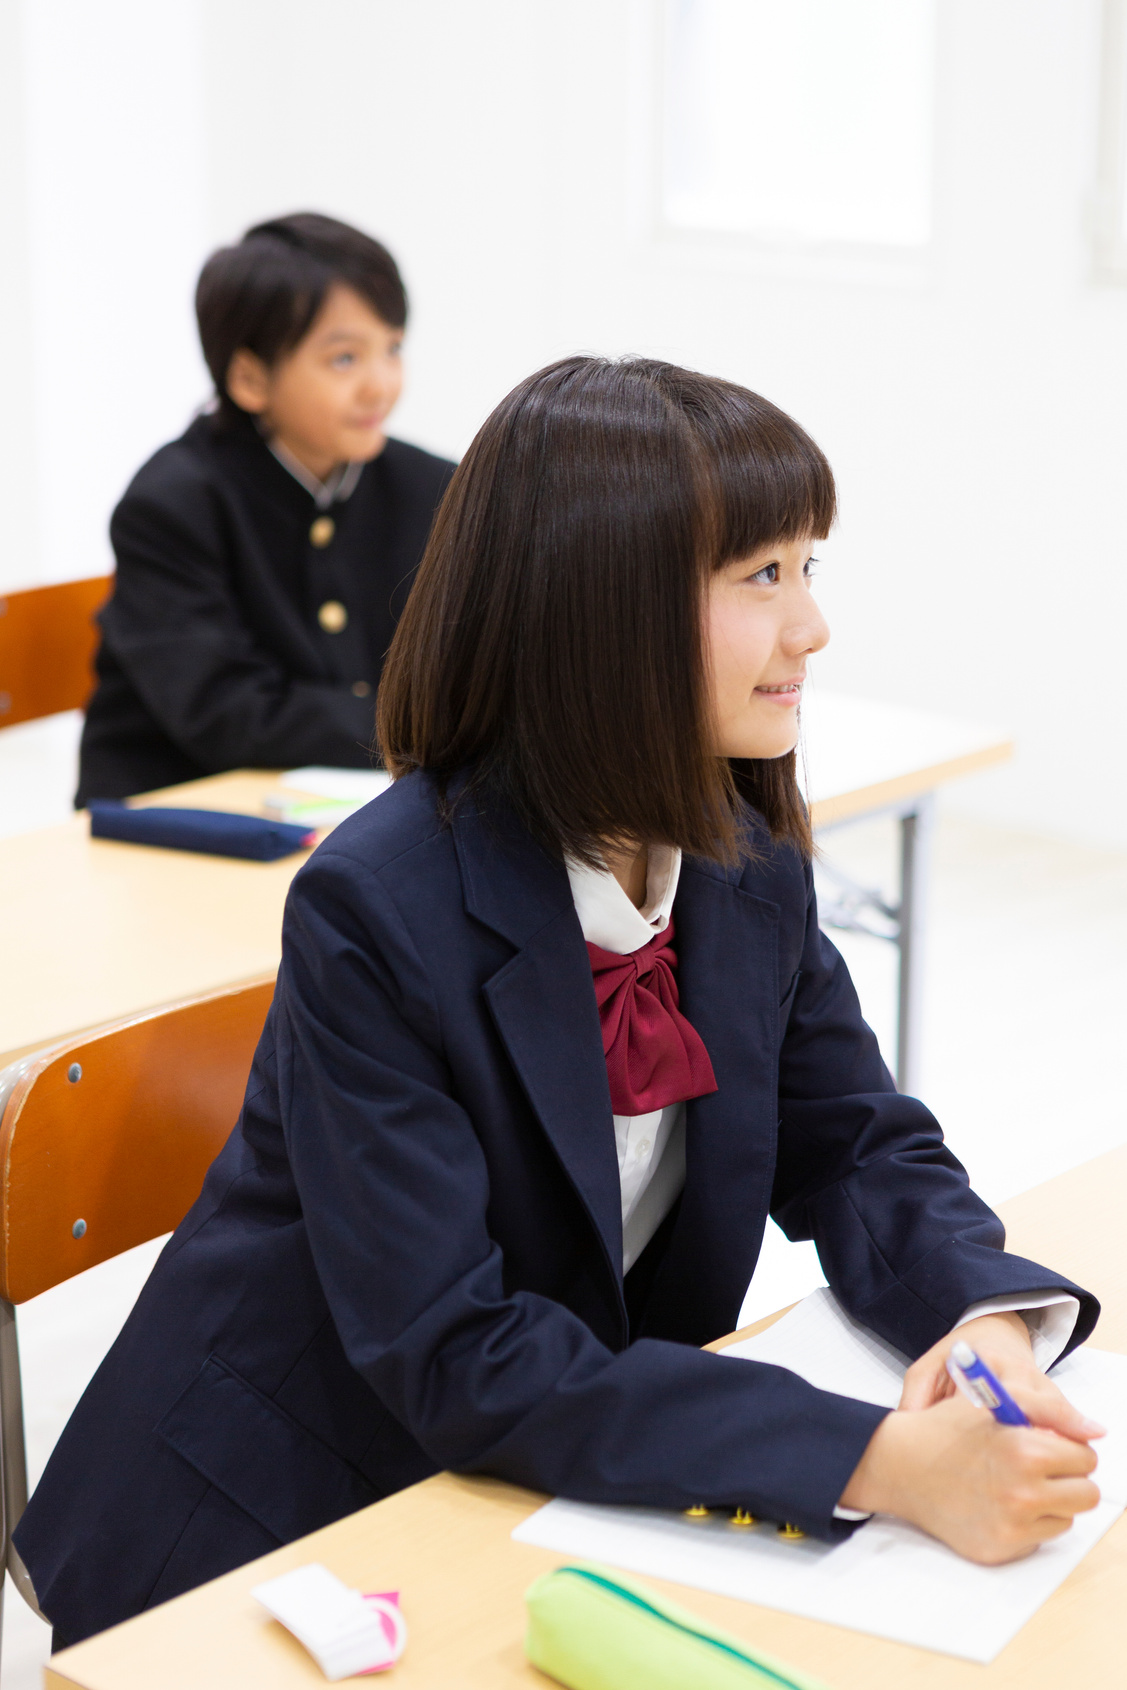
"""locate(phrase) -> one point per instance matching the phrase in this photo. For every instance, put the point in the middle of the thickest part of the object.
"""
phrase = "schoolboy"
(263, 558)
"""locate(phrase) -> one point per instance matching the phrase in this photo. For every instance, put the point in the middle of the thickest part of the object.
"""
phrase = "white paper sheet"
(358, 785)
(888, 1579)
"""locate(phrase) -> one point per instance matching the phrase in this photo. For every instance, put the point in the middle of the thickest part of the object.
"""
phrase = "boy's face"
(328, 399)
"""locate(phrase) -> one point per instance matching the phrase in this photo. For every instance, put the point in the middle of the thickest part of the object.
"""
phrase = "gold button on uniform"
(322, 530)
(361, 688)
(332, 616)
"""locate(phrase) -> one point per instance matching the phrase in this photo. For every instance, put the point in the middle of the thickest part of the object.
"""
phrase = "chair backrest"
(47, 643)
(104, 1142)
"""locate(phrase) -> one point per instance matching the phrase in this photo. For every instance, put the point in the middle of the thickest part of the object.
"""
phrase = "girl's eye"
(343, 360)
(768, 576)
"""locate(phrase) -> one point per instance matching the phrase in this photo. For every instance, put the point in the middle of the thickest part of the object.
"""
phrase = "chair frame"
(13, 1446)
(32, 1066)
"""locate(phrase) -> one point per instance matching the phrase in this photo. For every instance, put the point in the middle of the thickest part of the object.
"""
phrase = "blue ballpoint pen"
(976, 1382)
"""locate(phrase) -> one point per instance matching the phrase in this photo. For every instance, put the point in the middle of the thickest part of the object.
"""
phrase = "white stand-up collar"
(341, 483)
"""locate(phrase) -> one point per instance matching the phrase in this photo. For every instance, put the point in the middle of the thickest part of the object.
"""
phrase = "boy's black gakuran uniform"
(233, 638)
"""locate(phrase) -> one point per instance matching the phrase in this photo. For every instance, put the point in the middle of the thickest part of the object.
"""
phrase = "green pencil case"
(592, 1630)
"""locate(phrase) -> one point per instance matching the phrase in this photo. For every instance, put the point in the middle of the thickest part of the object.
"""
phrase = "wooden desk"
(862, 757)
(446, 1545)
(94, 930)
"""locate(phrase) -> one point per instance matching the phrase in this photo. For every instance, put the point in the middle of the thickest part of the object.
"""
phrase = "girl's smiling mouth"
(783, 692)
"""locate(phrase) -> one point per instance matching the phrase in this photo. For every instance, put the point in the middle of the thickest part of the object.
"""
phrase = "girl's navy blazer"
(408, 1255)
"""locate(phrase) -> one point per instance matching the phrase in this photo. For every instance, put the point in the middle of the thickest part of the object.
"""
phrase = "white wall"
(975, 414)
(19, 557)
(106, 177)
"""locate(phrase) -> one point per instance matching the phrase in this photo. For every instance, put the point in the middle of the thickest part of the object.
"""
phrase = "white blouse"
(651, 1148)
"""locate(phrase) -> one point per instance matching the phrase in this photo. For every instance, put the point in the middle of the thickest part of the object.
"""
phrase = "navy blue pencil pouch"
(215, 832)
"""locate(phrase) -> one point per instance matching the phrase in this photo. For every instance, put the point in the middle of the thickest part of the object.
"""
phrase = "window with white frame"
(1110, 223)
(799, 121)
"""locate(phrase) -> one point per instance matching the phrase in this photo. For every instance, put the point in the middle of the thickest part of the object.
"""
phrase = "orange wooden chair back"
(104, 1142)
(48, 639)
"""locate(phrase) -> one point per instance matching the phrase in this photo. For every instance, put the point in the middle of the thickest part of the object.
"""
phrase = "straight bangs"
(551, 652)
(769, 481)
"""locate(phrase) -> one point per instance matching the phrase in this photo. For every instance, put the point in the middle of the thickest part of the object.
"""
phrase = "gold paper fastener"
(742, 1518)
(697, 1512)
(791, 1533)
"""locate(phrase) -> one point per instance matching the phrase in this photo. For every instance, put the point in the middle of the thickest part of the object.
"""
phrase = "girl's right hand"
(991, 1492)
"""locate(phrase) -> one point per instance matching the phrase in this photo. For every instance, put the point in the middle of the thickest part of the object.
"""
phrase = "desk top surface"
(861, 756)
(94, 930)
(446, 1545)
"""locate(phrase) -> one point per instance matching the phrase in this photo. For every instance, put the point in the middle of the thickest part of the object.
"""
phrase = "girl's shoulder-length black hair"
(553, 642)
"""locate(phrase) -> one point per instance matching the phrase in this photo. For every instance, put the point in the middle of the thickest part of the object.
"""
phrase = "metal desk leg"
(916, 828)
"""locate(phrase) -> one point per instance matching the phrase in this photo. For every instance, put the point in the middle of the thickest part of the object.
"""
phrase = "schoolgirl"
(555, 1030)
(264, 557)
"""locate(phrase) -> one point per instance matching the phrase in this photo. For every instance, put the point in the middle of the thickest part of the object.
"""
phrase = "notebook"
(889, 1579)
(355, 786)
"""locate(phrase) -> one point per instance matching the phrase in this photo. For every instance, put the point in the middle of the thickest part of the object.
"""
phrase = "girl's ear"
(248, 381)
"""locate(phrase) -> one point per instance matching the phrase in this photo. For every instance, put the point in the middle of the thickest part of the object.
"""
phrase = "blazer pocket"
(258, 1455)
(788, 999)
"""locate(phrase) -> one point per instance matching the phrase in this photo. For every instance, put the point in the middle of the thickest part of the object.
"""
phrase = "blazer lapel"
(727, 969)
(543, 1005)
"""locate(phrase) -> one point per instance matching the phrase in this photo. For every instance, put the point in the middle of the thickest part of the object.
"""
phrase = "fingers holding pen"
(1045, 1455)
(991, 1492)
(1047, 1406)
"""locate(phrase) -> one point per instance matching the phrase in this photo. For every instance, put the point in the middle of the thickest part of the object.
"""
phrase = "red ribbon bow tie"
(654, 1056)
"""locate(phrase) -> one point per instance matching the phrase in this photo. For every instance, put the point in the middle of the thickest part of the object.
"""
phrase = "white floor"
(1024, 1008)
(1024, 1031)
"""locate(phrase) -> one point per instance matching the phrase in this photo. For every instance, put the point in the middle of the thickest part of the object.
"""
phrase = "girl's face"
(761, 624)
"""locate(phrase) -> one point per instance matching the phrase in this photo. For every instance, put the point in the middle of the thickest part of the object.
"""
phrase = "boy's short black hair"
(264, 293)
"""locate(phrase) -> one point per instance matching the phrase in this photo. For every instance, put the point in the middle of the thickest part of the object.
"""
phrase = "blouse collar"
(607, 916)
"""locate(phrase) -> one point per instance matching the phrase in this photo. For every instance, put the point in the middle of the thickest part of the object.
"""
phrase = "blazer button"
(361, 688)
(332, 616)
(322, 530)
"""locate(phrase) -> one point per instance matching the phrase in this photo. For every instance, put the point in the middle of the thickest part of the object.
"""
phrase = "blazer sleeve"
(485, 1375)
(176, 628)
(863, 1171)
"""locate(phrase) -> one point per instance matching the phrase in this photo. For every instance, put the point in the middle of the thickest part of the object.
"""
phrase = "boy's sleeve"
(905, 1244)
(176, 629)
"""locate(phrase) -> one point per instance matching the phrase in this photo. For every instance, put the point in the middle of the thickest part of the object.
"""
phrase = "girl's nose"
(809, 633)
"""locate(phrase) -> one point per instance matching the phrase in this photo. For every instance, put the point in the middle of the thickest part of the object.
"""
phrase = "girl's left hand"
(1004, 1344)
